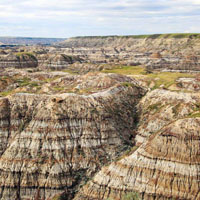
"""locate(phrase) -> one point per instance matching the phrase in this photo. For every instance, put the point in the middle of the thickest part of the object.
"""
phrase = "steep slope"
(52, 143)
(165, 167)
(161, 107)
(166, 164)
(20, 60)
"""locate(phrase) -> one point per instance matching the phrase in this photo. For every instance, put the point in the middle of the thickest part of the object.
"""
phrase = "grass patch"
(126, 70)
(70, 71)
(194, 115)
(5, 93)
(131, 196)
(127, 84)
(159, 78)
(49, 80)
(23, 54)
(58, 89)
(167, 78)
(155, 106)
(27, 82)
(152, 36)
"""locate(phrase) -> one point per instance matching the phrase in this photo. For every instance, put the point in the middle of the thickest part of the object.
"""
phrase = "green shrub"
(131, 196)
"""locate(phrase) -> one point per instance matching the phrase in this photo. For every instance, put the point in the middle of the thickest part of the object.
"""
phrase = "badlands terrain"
(101, 118)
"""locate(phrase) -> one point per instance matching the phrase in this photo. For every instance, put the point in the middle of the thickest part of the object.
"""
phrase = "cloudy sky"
(66, 18)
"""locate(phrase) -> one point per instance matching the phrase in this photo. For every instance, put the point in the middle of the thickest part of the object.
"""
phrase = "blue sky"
(66, 18)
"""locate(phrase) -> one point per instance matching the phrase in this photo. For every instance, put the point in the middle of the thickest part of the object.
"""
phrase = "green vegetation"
(60, 197)
(152, 36)
(23, 54)
(58, 89)
(176, 109)
(155, 106)
(126, 70)
(128, 152)
(127, 84)
(5, 93)
(27, 82)
(131, 196)
(194, 115)
(164, 79)
(167, 78)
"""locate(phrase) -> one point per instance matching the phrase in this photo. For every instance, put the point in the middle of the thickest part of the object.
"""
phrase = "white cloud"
(88, 17)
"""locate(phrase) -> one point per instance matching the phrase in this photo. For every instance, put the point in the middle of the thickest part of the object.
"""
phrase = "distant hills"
(28, 40)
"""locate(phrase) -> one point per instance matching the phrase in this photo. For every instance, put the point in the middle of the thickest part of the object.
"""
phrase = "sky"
(68, 18)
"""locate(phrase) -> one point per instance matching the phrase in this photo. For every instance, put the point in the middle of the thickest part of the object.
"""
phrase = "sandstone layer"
(18, 61)
(52, 143)
(166, 164)
(175, 52)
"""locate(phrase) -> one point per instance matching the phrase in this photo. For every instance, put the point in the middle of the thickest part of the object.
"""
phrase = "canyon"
(101, 118)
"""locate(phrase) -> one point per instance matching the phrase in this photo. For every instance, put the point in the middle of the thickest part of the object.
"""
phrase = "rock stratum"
(168, 52)
(51, 143)
(101, 118)
(165, 163)
(160, 51)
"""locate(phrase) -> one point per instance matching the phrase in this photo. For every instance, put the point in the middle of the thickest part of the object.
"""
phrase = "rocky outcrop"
(190, 84)
(52, 143)
(160, 108)
(165, 162)
(20, 60)
(57, 62)
(153, 43)
(164, 167)
(172, 52)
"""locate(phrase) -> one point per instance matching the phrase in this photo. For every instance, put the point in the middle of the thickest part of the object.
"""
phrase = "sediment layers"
(52, 143)
(18, 61)
(164, 167)
(165, 162)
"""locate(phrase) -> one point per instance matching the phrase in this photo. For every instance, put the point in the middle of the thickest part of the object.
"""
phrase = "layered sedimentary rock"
(160, 108)
(164, 167)
(177, 52)
(190, 84)
(58, 62)
(18, 61)
(166, 163)
(51, 143)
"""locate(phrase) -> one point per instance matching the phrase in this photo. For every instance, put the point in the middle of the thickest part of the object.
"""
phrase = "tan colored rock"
(52, 143)
(164, 167)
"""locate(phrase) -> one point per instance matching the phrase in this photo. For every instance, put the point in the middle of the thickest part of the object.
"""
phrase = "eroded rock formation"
(18, 61)
(52, 143)
(166, 164)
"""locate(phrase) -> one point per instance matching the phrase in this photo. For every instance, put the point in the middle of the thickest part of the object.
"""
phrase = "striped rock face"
(52, 143)
(166, 162)
(21, 61)
(160, 108)
(164, 167)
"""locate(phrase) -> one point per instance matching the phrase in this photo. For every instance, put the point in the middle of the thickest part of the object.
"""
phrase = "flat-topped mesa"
(164, 167)
(52, 143)
(19, 60)
(178, 43)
